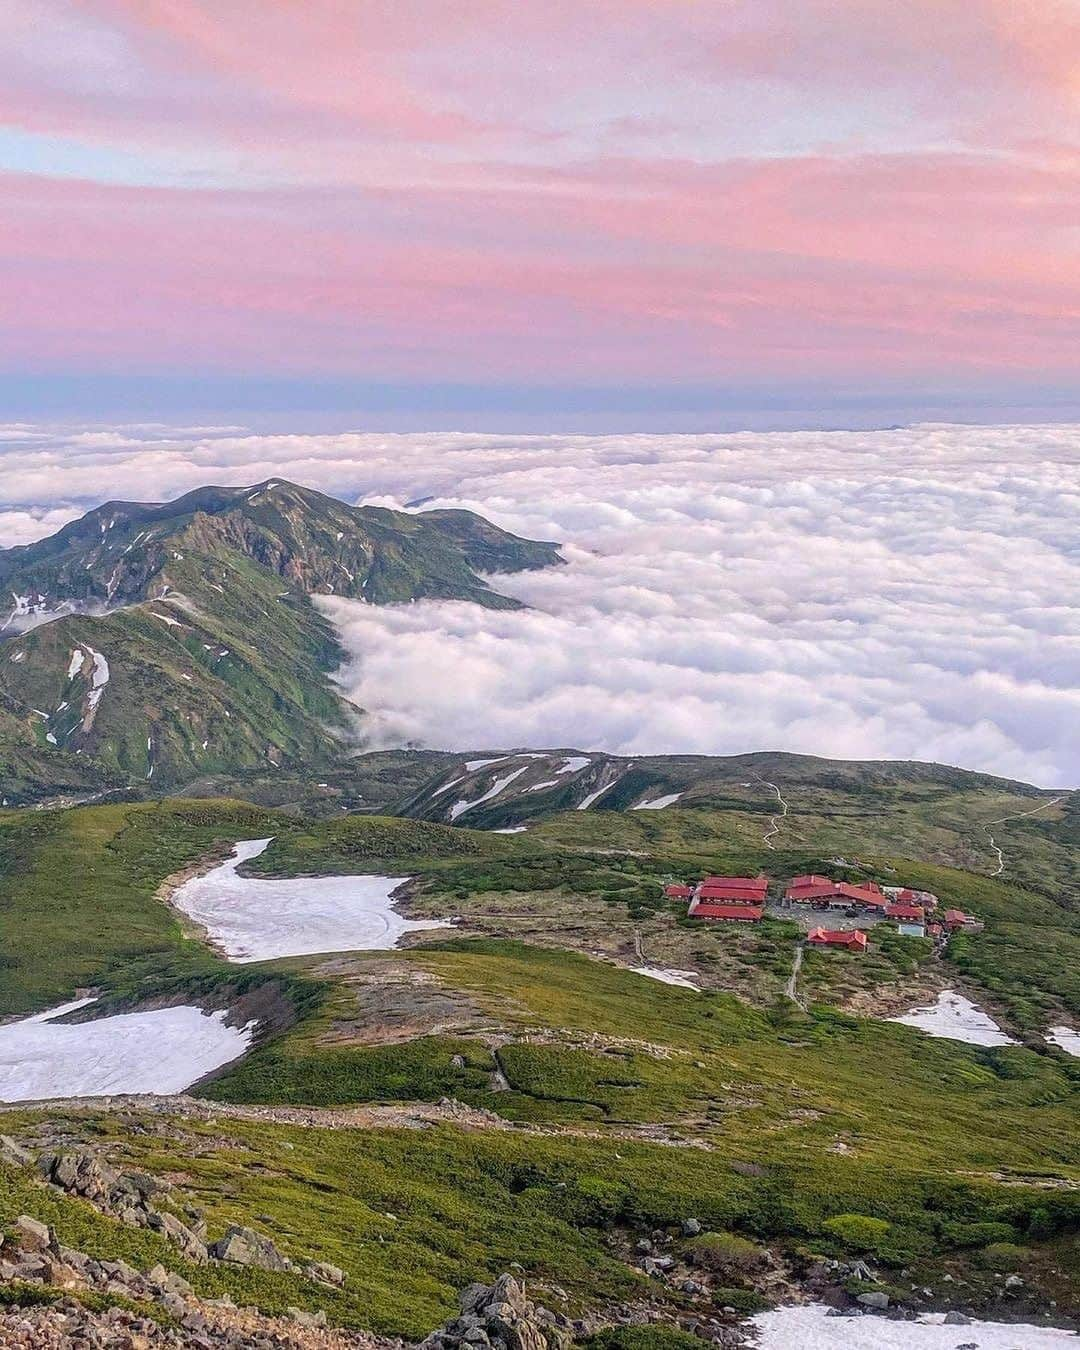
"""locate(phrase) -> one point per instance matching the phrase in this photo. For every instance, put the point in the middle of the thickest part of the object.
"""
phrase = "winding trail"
(1019, 815)
(774, 821)
(791, 988)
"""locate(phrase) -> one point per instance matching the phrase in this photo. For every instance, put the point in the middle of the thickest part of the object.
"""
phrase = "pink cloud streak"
(479, 190)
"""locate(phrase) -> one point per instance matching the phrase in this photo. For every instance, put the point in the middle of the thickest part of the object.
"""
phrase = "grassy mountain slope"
(209, 657)
(764, 1118)
(929, 812)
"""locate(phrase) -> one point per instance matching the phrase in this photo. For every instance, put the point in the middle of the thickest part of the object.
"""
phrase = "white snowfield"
(684, 979)
(252, 919)
(1065, 1038)
(811, 1328)
(460, 807)
(956, 1019)
(574, 764)
(657, 803)
(162, 1050)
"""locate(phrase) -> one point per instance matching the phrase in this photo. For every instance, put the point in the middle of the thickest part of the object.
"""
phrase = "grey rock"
(874, 1299)
(80, 1173)
(170, 1227)
(691, 1227)
(244, 1247)
(28, 1268)
(1013, 1282)
(326, 1273)
(12, 1154)
(31, 1235)
(957, 1319)
(121, 1272)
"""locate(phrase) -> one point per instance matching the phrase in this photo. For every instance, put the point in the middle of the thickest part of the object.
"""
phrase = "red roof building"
(708, 909)
(905, 912)
(813, 890)
(733, 890)
(678, 892)
(955, 918)
(852, 939)
(934, 930)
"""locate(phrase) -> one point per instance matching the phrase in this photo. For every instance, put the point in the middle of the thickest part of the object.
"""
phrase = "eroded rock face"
(132, 1197)
(500, 1316)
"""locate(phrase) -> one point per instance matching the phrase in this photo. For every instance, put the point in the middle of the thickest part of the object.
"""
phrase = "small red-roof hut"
(853, 939)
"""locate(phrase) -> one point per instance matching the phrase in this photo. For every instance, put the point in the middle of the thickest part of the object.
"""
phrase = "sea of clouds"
(908, 593)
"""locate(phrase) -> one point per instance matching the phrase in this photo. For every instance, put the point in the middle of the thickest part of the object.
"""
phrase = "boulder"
(30, 1235)
(12, 1154)
(59, 1274)
(874, 1299)
(956, 1319)
(244, 1247)
(691, 1227)
(80, 1173)
(170, 1227)
(326, 1273)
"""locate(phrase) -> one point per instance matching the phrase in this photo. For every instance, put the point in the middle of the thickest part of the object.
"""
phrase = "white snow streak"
(460, 807)
(684, 979)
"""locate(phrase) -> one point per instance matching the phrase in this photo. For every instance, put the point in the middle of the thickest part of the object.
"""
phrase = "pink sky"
(605, 192)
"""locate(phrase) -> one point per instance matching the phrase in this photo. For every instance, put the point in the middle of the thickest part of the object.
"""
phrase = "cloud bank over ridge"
(893, 594)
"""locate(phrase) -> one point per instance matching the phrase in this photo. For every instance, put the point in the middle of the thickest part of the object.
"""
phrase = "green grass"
(77, 897)
(413, 1216)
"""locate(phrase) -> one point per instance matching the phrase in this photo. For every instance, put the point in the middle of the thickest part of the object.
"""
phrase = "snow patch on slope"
(811, 1328)
(162, 1050)
(1065, 1038)
(955, 1018)
(657, 803)
(253, 919)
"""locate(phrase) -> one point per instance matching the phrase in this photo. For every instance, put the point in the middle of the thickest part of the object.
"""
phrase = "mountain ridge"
(167, 640)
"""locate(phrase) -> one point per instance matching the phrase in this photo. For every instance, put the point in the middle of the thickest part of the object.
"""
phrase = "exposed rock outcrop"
(502, 1317)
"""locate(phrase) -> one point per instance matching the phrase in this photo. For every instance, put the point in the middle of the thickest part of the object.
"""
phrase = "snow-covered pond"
(162, 1050)
(811, 1328)
(956, 1019)
(1065, 1038)
(684, 979)
(253, 919)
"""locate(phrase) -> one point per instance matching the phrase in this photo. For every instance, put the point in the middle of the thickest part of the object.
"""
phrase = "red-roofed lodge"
(853, 939)
(823, 893)
(709, 909)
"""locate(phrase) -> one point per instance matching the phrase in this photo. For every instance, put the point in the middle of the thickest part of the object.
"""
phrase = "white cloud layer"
(892, 594)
